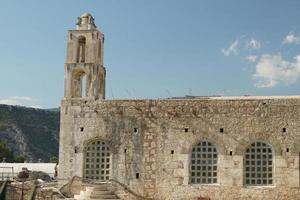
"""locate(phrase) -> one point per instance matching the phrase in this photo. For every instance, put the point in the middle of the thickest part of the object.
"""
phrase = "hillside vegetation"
(29, 132)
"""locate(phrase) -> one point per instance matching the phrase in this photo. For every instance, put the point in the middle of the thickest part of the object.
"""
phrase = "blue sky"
(154, 48)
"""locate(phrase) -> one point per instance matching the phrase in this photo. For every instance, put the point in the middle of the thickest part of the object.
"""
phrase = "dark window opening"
(221, 130)
(186, 130)
(137, 175)
(172, 151)
(81, 50)
(284, 130)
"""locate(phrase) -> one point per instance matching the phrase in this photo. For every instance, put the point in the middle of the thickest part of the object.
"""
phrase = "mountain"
(30, 132)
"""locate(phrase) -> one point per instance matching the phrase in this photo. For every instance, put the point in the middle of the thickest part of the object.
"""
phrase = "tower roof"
(85, 22)
(86, 15)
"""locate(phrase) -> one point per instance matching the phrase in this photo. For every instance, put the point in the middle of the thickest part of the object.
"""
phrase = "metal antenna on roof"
(190, 92)
(128, 92)
(169, 93)
(112, 93)
(134, 93)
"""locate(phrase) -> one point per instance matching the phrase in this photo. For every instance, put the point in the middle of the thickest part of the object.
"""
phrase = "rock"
(39, 175)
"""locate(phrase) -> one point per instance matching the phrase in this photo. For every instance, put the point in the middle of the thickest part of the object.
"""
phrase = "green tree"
(5, 153)
(19, 159)
(53, 159)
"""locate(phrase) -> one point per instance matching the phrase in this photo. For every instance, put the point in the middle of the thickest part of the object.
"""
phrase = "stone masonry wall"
(152, 141)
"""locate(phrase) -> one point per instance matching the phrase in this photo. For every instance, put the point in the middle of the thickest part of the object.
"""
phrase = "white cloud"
(223, 93)
(22, 98)
(9, 101)
(273, 69)
(251, 58)
(232, 49)
(237, 45)
(253, 44)
(291, 39)
(21, 101)
(37, 106)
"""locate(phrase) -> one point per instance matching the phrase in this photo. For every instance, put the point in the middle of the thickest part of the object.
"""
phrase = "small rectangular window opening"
(186, 130)
(135, 130)
(221, 130)
(287, 150)
(66, 110)
(230, 153)
(284, 130)
(76, 150)
(81, 129)
(125, 150)
(172, 151)
(137, 175)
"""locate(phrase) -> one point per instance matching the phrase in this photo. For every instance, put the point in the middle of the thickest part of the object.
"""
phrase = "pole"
(22, 191)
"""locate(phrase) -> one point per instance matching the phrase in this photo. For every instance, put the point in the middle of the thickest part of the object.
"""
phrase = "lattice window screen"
(204, 160)
(258, 165)
(97, 161)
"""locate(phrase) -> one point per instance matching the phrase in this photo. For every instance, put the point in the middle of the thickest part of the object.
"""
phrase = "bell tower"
(84, 70)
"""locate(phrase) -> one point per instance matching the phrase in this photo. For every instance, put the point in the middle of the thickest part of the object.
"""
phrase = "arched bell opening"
(81, 50)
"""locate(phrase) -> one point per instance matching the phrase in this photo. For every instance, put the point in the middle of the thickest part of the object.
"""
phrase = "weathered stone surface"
(151, 157)
(143, 133)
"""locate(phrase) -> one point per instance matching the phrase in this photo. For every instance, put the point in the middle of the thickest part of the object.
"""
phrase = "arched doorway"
(97, 161)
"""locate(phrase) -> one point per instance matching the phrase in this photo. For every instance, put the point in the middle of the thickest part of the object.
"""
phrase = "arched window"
(81, 49)
(203, 167)
(258, 164)
(83, 86)
(97, 163)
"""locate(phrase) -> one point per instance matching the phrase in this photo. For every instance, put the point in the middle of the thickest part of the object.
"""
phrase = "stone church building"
(175, 149)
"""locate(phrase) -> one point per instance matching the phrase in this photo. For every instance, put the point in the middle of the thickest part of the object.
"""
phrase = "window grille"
(258, 165)
(203, 168)
(97, 161)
